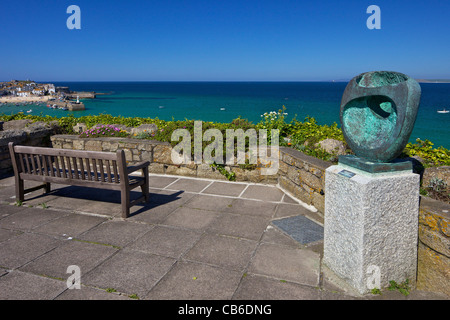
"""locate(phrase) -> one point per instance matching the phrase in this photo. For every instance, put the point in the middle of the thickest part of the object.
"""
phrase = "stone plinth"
(371, 226)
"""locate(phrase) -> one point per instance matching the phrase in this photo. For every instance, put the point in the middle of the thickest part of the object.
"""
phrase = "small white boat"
(161, 107)
(443, 111)
(29, 111)
(222, 109)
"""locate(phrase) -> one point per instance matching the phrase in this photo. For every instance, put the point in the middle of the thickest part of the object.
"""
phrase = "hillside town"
(22, 92)
(29, 88)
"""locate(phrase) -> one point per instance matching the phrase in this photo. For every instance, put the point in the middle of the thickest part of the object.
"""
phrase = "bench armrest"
(138, 166)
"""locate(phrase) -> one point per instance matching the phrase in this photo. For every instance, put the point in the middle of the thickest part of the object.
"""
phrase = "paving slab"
(7, 209)
(71, 225)
(23, 248)
(252, 207)
(276, 236)
(6, 234)
(196, 219)
(27, 220)
(240, 225)
(286, 263)
(263, 192)
(115, 233)
(153, 213)
(82, 254)
(289, 199)
(88, 293)
(166, 241)
(196, 281)
(226, 252)
(130, 272)
(17, 285)
(209, 202)
(7, 194)
(189, 185)
(170, 196)
(254, 287)
(160, 182)
(225, 189)
(288, 210)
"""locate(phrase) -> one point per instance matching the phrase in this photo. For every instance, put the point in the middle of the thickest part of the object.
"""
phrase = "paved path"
(195, 239)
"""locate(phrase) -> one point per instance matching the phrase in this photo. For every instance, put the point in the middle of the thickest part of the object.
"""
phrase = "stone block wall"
(434, 246)
(23, 132)
(159, 155)
(303, 176)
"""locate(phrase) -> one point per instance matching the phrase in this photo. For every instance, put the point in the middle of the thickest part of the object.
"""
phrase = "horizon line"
(431, 80)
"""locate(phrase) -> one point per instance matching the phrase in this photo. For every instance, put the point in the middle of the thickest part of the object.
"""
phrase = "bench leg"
(145, 187)
(20, 194)
(125, 200)
(47, 187)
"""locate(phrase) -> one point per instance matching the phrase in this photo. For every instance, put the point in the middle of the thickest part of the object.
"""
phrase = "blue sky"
(190, 40)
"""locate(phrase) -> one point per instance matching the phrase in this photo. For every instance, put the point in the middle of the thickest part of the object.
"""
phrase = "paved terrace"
(195, 239)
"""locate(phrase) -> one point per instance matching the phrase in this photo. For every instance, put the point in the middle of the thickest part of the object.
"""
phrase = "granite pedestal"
(371, 226)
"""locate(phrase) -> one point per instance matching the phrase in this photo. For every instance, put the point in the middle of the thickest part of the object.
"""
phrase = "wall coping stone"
(114, 139)
(321, 164)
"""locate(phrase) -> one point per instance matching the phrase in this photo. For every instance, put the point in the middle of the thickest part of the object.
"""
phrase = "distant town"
(30, 92)
(27, 88)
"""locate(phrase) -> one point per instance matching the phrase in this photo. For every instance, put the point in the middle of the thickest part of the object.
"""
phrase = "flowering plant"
(274, 120)
(104, 131)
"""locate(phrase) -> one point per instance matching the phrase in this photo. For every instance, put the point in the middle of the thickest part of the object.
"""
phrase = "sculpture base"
(371, 226)
(375, 167)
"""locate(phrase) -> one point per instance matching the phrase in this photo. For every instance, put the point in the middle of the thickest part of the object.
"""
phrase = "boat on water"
(443, 111)
(29, 111)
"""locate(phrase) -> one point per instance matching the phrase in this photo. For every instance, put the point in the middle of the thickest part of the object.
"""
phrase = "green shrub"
(432, 157)
(299, 135)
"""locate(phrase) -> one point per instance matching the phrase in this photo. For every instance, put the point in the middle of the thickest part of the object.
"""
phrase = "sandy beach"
(10, 99)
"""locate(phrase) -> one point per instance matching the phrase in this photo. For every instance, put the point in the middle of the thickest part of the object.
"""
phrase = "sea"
(225, 101)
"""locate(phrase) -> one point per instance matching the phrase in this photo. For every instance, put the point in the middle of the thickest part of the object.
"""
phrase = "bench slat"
(114, 162)
(102, 170)
(108, 171)
(27, 163)
(65, 152)
(57, 167)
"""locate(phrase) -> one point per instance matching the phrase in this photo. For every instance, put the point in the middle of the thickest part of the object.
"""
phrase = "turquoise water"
(225, 101)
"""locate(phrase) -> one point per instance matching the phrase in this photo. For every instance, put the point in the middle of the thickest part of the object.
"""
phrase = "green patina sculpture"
(378, 112)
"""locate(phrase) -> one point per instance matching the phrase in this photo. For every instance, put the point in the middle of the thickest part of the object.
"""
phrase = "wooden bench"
(104, 170)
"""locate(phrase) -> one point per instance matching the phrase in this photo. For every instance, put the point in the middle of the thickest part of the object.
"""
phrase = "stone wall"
(303, 176)
(159, 155)
(434, 246)
(23, 132)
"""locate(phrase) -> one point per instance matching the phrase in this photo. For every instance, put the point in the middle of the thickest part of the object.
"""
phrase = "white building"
(23, 93)
(38, 91)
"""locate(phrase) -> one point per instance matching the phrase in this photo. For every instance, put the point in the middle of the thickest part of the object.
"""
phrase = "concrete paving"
(196, 239)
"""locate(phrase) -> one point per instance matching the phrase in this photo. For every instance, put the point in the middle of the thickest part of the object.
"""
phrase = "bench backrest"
(106, 167)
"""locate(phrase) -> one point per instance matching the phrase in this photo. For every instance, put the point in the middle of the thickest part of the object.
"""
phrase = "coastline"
(9, 99)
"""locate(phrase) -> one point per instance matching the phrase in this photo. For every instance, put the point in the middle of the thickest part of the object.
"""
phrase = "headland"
(31, 92)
